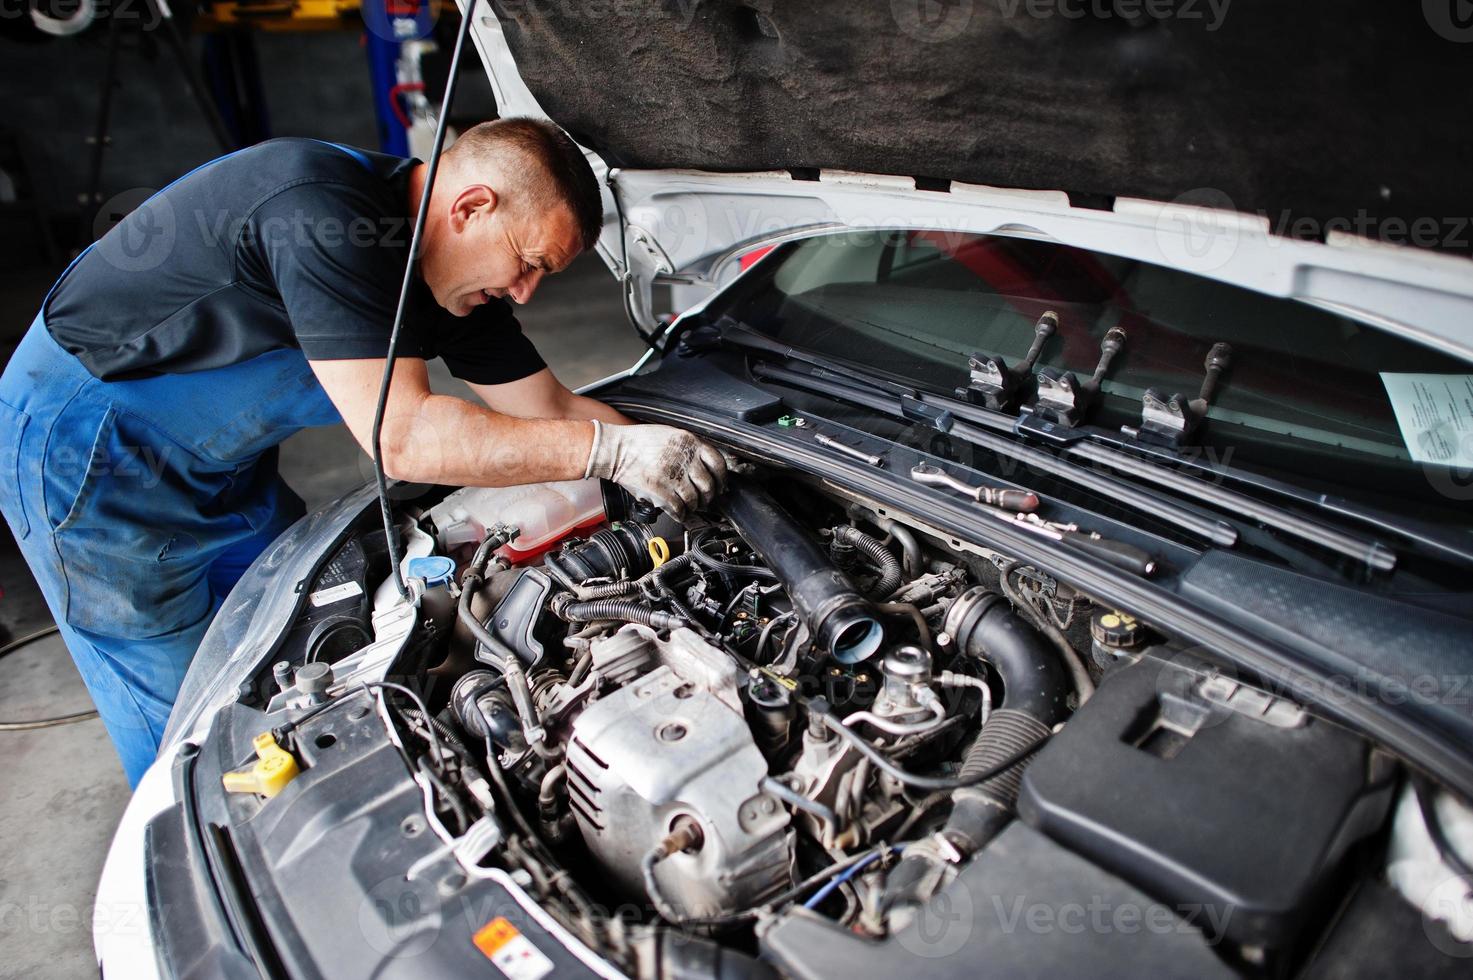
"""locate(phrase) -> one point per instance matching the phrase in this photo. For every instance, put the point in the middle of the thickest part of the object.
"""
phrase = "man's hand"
(667, 466)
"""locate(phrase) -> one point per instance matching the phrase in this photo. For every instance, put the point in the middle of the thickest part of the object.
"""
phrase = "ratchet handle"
(1123, 556)
(1016, 500)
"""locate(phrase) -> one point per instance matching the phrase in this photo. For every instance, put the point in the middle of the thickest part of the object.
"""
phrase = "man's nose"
(523, 288)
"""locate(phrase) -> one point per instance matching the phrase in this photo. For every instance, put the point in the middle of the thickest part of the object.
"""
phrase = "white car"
(1094, 598)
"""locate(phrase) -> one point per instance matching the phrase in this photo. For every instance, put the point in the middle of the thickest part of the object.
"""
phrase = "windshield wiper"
(1108, 448)
(890, 403)
(996, 432)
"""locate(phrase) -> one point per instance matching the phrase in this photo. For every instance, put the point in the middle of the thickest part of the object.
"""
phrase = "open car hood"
(1242, 140)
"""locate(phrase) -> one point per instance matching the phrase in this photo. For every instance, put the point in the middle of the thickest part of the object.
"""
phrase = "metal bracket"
(996, 386)
(1063, 401)
(1171, 420)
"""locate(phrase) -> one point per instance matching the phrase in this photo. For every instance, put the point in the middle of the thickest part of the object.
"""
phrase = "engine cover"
(666, 745)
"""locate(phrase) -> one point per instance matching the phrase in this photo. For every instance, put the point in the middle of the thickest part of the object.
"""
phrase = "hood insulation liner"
(1349, 115)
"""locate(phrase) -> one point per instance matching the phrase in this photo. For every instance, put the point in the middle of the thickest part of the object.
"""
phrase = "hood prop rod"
(410, 267)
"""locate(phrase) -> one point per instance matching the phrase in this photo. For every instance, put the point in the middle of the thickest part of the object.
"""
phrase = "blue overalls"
(138, 505)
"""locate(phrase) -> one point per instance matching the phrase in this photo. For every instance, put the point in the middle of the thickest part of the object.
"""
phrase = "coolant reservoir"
(545, 512)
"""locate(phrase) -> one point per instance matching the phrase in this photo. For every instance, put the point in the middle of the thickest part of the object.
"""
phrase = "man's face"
(490, 247)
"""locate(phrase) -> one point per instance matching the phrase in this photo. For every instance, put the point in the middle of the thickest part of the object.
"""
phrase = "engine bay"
(801, 732)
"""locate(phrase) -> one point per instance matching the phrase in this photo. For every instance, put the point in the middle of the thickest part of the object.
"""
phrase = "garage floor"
(66, 788)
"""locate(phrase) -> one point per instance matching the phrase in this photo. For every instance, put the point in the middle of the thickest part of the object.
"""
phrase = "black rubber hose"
(471, 581)
(979, 812)
(619, 610)
(843, 621)
(656, 577)
(1034, 681)
(709, 561)
(878, 555)
(1035, 688)
(1034, 699)
(497, 651)
(609, 590)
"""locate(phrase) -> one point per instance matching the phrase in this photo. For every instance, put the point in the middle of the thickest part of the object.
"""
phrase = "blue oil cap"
(436, 570)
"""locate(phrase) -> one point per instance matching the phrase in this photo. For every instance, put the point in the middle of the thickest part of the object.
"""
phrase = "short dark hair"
(568, 177)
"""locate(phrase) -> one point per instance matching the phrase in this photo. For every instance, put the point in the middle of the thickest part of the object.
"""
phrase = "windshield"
(1309, 394)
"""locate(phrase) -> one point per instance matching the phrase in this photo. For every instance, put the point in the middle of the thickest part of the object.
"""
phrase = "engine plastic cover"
(1240, 806)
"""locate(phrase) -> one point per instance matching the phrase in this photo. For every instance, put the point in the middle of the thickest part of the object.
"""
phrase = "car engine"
(691, 705)
(795, 724)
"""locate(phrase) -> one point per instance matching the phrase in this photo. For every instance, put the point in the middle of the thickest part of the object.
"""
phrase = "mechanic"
(140, 415)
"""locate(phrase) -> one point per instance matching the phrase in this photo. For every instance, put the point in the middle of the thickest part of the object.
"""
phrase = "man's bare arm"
(434, 438)
(542, 395)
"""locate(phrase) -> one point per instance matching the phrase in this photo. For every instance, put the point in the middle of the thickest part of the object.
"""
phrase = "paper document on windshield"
(1435, 412)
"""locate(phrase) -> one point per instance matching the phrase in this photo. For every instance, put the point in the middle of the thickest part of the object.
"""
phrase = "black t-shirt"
(291, 243)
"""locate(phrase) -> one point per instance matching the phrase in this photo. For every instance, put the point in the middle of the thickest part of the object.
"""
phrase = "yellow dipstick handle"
(268, 775)
(659, 551)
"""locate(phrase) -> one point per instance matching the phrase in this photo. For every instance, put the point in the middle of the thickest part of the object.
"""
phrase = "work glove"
(666, 466)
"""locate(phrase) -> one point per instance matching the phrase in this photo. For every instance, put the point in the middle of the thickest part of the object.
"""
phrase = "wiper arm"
(1088, 444)
(885, 402)
(967, 421)
(1373, 553)
(1412, 530)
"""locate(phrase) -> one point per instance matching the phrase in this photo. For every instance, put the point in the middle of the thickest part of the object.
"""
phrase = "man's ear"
(474, 199)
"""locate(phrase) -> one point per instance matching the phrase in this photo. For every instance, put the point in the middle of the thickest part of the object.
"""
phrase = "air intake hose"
(844, 623)
(1035, 688)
